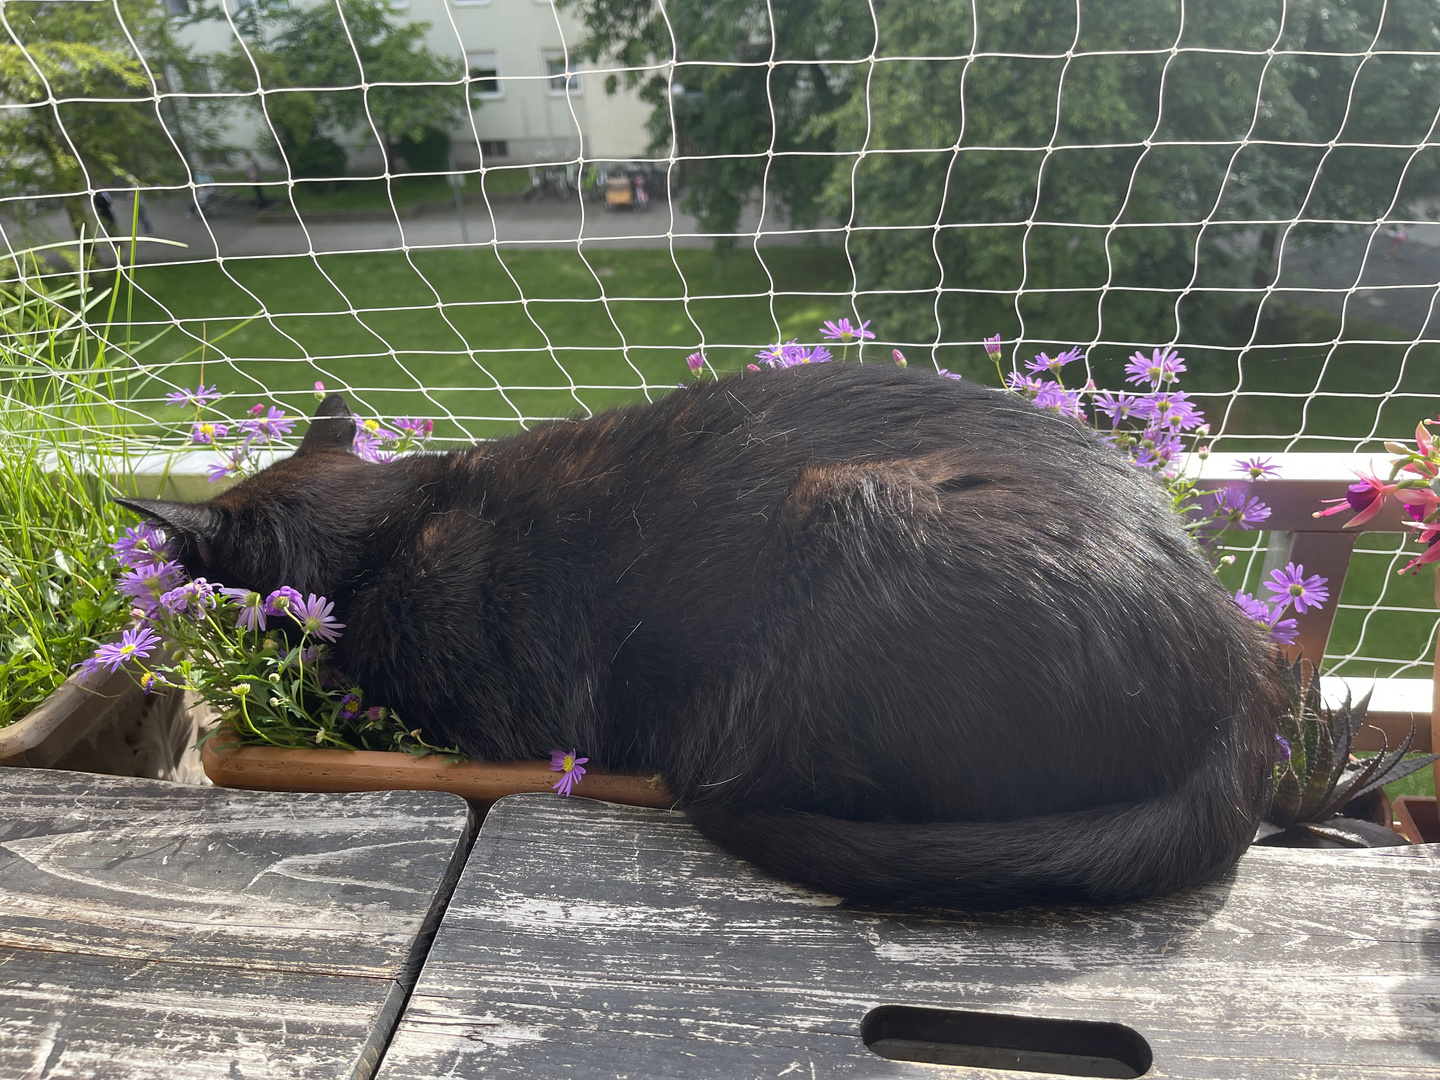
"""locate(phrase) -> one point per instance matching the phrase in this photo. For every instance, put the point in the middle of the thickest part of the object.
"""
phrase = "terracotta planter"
(273, 768)
(103, 723)
(1419, 820)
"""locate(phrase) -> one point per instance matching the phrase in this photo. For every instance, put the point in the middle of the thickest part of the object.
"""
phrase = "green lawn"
(447, 333)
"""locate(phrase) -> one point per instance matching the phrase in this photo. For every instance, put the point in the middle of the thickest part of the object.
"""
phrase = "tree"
(1024, 163)
(62, 68)
(311, 62)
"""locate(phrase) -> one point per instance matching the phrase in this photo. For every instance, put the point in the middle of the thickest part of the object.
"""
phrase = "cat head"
(294, 523)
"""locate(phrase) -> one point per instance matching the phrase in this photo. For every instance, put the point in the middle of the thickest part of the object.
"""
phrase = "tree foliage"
(84, 109)
(1080, 153)
(326, 69)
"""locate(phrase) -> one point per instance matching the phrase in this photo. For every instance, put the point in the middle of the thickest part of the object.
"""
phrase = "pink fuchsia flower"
(1164, 365)
(898, 357)
(315, 618)
(142, 545)
(696, 362)
(568, 766)
(844, 333)
(1292, 587)
(1366, 498)
(134, 644)
(1043, 362)
(1258, 468)
(1430, 537)
(197, 398)
(992, 347)
(205, 433)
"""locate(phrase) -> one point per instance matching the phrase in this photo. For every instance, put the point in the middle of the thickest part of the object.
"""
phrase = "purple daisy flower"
(772, 355)
(1043, 362)
(1170, 407)
(1282, 748)
(1116, 406)
(1165, 365)
(228, 465)
(283, 601)
(142, 545)
(992, 347)
(148, 583)
(1255, 609)
(1283, 631)
(417, 428)
(1292, 586)
(314, 617)
(205, 433)
(252, 608)
(134, 644)
(946, 373)
(568, 766)
(1235, 506)
(844, 333)
(1258, 468)
(192, 598)
(271, 425)
(1051, 395)
(350, 705)
(197, 398)
(1022, 384)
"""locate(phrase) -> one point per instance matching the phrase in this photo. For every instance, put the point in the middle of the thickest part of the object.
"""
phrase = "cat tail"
(1106, 854)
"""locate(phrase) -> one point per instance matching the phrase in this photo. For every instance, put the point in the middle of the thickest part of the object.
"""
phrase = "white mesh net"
(1252, 184)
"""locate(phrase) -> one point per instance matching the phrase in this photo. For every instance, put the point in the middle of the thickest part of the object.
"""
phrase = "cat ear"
(333, 427)
(199, 521)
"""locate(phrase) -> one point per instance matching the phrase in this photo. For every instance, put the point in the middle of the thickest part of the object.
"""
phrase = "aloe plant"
(1315, 778)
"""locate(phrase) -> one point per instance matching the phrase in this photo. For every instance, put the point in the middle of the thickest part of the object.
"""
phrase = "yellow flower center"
(569, 763)
(372, 425)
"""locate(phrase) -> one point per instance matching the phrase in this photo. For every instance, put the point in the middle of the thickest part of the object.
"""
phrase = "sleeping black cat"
(903, 639)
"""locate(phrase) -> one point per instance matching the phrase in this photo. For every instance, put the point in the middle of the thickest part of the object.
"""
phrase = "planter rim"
(277, 768)
(40, 722)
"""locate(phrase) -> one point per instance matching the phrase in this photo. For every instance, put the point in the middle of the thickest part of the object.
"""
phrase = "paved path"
(235, 230)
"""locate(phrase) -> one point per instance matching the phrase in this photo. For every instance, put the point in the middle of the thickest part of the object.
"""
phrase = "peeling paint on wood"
(151, 929)
(603, 941)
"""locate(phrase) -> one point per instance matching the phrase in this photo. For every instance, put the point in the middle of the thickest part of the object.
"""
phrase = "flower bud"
(898, 356)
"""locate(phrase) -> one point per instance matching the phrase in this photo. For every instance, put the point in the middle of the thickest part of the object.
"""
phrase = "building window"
(178, 7)
(484, 74)
(558, 65)
(496, 149)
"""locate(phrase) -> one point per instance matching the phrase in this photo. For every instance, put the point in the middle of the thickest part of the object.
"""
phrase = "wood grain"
(594, 940)
(151, 929)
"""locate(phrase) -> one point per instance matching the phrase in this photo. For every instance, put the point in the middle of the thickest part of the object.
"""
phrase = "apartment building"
(532, 100)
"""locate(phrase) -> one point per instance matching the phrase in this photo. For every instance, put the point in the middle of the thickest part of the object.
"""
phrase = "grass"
(442, 332)
(57, 520)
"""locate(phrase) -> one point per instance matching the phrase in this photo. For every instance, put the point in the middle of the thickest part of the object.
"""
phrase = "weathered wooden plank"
(151, 929)
(84, 1016)
(606, 941)
(111, 867)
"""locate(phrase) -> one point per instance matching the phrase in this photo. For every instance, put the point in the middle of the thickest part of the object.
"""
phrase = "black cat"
(900, 638)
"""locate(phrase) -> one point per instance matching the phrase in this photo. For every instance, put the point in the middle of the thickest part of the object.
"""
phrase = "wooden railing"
(1324, 546)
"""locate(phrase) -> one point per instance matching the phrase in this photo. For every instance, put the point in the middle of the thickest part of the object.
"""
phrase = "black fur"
(900, 638)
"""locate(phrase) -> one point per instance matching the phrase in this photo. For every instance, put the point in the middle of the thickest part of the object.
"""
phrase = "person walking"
(252, 173)
(104, 210)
